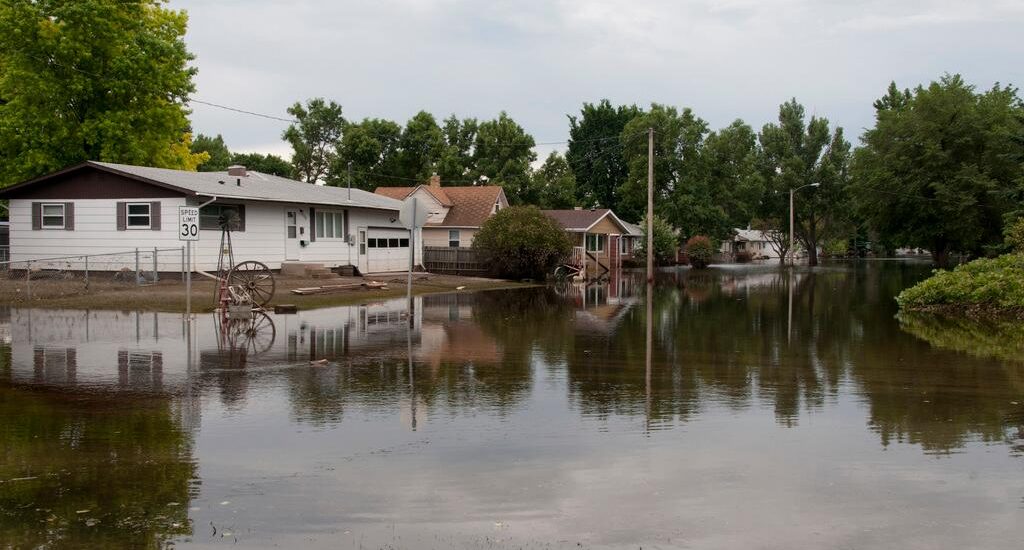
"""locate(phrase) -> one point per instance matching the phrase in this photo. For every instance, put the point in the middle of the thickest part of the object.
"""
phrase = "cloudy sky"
(540, 60)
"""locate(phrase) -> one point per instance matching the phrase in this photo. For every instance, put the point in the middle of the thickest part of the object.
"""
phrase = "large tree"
(726, 188)
(502, 153)
(595, 151)
(92, 80)
(797, 152)
(421, 144)
(372, 147)
(218, 152)
(554, 183)
(314, 138)
(943, 168)
(268, 164)
(678, 137)
(455, 164)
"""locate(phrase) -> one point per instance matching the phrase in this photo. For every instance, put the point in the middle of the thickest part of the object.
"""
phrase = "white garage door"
(387, 250)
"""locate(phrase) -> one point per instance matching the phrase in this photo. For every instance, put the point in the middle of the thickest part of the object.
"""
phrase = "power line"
(242, 111)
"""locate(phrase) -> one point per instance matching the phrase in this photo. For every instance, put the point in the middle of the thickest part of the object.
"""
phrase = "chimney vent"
(237, 170)
(435, 181)
(577, 208)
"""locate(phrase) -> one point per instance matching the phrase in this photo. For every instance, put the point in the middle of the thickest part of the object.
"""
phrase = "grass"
(169, 294)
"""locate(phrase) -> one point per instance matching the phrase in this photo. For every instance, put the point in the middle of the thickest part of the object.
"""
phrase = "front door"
(361, 243)
(291, 235)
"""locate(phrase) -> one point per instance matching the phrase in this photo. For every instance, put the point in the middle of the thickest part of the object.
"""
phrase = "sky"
(541, 60)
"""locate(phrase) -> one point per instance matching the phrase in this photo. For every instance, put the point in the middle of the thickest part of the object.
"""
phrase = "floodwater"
(778, 410)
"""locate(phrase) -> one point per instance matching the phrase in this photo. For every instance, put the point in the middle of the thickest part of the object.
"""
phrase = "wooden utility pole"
(650, 205)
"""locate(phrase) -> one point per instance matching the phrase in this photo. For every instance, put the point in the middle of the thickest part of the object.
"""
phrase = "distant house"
(755, 242)
(601, 240)
(101, 208)
(456, 213)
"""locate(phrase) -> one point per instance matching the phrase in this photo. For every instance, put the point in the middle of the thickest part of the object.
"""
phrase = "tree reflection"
(83, 470)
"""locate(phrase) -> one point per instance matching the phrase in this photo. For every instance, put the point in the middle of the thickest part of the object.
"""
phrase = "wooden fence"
(452, 260)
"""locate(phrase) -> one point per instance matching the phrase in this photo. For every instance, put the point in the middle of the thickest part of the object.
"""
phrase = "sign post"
(188, 231)
(413, 216)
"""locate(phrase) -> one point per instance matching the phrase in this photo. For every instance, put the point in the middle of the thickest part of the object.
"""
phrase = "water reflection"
(713, 352)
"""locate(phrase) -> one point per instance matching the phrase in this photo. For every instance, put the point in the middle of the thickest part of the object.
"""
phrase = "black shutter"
(241, 217)
(154, 215)
(122, 217)
(345, 227)
(37, 216)
(312, 224)
(69, 216)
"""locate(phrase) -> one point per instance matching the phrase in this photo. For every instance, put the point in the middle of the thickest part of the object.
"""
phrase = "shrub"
(995, 282)
(700, 251)
(664, 242)
(1015, 236)
(744, 256)
(521, 242)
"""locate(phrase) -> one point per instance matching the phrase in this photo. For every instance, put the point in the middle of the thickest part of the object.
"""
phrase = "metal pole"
(412, 258)
(86, 272)
(138, 279)
(156, 271)
(183, 264)
(188, 279)
(28, 279)
(650, 204)
(791, 251)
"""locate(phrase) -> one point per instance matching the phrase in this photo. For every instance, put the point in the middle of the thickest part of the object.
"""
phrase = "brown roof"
(579, 220)
(468, 206)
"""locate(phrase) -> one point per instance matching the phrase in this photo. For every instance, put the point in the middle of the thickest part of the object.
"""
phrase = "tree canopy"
(595, 152)
(217, 151)
(314, 138)
(93, 80)
(554, 183)
(502, 153)
(521, 241)
(943, 167)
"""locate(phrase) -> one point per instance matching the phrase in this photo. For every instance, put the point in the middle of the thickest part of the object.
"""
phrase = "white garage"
(387, 250)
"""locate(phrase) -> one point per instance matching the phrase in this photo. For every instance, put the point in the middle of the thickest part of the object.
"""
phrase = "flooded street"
(778, 410)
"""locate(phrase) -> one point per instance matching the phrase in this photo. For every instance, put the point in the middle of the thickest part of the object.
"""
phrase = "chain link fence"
(133, 267)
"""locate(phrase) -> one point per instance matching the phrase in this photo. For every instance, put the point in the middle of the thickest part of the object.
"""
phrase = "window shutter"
(154, 215)
(241, 217)
(122, 218)
(344, 225)
(69, 216)
(312, 224)
(37, 216)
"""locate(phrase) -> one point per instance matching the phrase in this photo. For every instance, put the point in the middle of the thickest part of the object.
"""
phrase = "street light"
(791, 192)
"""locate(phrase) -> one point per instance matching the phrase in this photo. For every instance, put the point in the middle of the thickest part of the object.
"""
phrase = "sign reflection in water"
(734, 398)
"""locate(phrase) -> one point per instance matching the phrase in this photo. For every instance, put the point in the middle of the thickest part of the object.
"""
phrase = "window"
(453, 238)
(330, 225)
(623, 245)
(373, 243)
(138, 215)
(291, 224)
(392, 243)
(362, 242)
(210, 215)
(497, 207)
(595, 243)
(404, 243)
(53, 216)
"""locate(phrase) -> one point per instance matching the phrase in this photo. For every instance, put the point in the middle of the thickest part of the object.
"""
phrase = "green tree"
(942, 167)
(220, 155)
(92, 80)
(678, 137)
(665, 242)
(456, 160)
(421, 145)
(595, 153)
(372, 146)
(520, 242)
(314, 139)
(796, 153)
(502, 153)
(727, 189)
(699, 251)
(268, 164)
(554, 183)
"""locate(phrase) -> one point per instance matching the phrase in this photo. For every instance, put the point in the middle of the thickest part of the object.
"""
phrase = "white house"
(756, 243)
(99, 207)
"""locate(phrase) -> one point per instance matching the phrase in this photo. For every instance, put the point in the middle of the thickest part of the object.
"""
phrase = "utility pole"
(650, 205)
(790, 251)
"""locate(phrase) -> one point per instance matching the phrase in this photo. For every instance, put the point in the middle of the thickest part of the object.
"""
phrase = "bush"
(521, 242)
(992, 282)
(744, 256)
(700, 251)
(664, 242)
(1015, 236)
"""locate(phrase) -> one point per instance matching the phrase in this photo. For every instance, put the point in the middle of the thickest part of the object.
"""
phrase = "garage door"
(387, 250)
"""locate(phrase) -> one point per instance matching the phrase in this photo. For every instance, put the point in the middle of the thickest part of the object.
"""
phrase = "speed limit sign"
(188, 223)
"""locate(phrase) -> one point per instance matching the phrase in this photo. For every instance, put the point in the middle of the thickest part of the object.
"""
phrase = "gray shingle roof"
(255, 186)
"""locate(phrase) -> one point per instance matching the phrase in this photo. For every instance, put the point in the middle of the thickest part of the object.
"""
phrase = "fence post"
(138, 278)
(156, 276)
(86, 272)
(28, 278)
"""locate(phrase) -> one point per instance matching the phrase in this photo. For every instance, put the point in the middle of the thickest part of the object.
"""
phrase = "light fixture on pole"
(790, 251)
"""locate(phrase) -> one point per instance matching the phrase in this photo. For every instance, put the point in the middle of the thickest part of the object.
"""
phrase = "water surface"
(778, 410)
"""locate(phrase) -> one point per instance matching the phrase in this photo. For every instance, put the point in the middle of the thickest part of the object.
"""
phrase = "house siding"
(438, 236)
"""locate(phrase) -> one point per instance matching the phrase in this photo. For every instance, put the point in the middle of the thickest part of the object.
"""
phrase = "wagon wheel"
(254, 335)
(251, 282)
